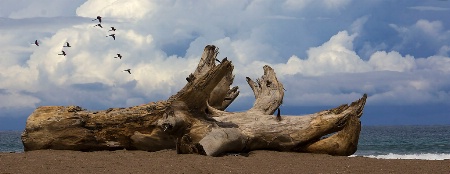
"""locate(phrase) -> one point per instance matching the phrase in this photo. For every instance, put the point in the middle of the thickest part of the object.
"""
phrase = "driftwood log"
(194, 121)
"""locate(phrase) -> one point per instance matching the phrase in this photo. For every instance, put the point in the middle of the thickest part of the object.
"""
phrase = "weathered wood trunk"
(194, 121)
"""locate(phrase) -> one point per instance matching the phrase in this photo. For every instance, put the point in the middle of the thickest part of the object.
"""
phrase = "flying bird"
(67, 45)
(36, 43)
(63, 53)
(113, 36)
(112, 29)
(118, 56)
(128, 70)
(100, 25)
(99, 18)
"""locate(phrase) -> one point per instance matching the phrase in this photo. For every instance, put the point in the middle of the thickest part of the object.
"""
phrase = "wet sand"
(59, 161)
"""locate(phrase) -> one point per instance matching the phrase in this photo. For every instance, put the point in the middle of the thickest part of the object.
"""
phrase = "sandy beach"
(59, 161)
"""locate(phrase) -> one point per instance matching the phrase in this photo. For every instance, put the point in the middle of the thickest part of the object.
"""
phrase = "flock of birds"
(113, 35)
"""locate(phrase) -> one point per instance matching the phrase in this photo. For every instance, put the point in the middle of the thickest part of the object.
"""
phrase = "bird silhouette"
(67, 45)
(100, 25)
(63, 53)
(113, 36)
(112, 29)
(36, 43)
(118, 56)
(99, 18)
(128, 70)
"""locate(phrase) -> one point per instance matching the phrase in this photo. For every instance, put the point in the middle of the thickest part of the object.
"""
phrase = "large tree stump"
(194, 120)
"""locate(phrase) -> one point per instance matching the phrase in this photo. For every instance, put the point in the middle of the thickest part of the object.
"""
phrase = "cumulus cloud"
(392, 61)
(336, 55)
(423, 35)
(18, 9)
(17, 100)
(357, 26)
(333, 72)
(126, 10)
(444, 50)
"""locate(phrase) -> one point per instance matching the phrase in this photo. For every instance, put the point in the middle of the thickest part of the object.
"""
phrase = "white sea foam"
(423, 156)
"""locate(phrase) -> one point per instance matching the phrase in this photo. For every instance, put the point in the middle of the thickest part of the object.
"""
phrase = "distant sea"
(405, 142)
(384, 142)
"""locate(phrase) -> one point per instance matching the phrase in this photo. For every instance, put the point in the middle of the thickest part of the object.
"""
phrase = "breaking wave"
(424, 156)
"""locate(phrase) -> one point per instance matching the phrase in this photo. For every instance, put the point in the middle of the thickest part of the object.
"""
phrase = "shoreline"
(167, 161)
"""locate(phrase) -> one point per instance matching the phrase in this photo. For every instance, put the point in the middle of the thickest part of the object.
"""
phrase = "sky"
(325, 52)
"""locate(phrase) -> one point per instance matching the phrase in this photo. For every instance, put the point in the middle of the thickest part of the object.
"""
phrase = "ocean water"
(405, 142)
(10, 141)
(385, 142)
